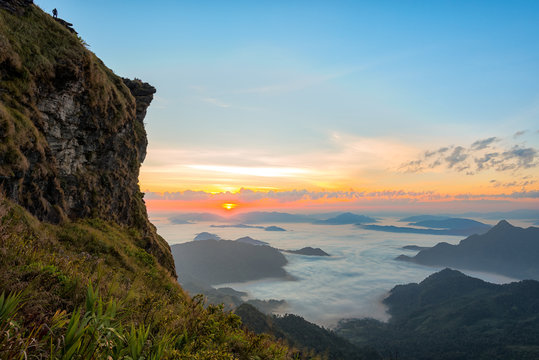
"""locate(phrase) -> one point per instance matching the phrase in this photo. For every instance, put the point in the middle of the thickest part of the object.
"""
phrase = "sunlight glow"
(229, 206)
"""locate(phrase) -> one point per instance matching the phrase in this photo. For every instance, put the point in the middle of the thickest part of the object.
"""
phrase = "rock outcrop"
(72, 136)
(15, 6)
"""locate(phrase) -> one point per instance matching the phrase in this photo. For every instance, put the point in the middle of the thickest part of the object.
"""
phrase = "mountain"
(258, 217)
(250, 240)
(239, 226)
(274, 228)
(346, 218)
(308, 251)
(75, 238)
(206, 236)
(243, 226)
(246, 239)
(522, 214)
(411, 230)
(195, 217)
(453, 316)
(467, 225)
(414, 247)
(504, 249)
(434, 225)
(310, 339)
(226, 261)
(415, 218)
(229, 298)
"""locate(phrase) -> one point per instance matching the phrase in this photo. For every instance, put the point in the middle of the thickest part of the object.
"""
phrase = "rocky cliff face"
(72, 136)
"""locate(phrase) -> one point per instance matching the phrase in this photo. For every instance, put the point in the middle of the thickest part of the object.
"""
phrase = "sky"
(327, 105)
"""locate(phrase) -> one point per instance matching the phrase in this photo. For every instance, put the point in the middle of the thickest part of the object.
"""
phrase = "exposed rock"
(73, 132)
(15, 6)
(67, 25)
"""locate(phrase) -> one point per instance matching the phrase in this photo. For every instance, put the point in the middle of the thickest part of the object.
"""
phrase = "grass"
(55, 273)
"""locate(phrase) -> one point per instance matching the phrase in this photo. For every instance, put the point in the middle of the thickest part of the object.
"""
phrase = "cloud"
(434, 152)
(483, 144)
(187, 195)
(216, 102)
(523, 183)
(481, 155)
(519, 133)
(525, 157)
(486, 161)
(291, 196)
(458, 156)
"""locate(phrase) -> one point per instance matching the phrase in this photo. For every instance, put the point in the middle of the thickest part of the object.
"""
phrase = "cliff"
(72, 136)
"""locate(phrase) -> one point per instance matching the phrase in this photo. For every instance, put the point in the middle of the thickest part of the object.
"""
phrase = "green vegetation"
(452, 316)
(311, 339)
(50, 278)
(94, 334)
(40, 53)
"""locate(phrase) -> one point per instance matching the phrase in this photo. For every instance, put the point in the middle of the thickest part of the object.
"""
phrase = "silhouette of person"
(54, 13)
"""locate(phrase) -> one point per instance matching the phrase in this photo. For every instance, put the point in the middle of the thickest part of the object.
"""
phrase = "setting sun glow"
(229, 206)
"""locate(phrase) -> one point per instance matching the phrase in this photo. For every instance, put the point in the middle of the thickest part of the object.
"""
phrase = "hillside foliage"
(89, 277)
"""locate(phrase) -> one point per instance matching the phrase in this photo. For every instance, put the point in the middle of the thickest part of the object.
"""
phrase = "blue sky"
(257, 84)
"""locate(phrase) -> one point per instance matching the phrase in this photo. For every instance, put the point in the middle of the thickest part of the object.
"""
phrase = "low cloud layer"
(249, 196)
(483, 154)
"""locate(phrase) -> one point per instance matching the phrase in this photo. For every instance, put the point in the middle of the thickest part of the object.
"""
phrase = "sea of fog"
(351, 283)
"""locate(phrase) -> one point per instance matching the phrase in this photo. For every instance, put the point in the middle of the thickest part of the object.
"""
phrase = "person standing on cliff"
(55, 13)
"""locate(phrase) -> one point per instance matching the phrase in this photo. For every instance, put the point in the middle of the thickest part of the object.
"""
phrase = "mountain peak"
(444, 274)
(502, 225)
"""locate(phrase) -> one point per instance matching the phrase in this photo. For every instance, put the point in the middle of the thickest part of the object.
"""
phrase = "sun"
(229, 206)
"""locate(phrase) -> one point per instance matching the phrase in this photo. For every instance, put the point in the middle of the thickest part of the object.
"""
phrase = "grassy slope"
(53, 265)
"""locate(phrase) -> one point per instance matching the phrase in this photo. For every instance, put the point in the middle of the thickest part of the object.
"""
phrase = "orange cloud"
(299, 200)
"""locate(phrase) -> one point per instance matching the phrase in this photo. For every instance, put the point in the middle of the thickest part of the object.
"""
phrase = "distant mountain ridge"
(415, 218)
(308, 251)
(504, 249)
(225, 261)
(453, 316)
(434, 225)
(243, 226)
(259, 217)
(346, 219)
(246, 220)
(453, 223)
